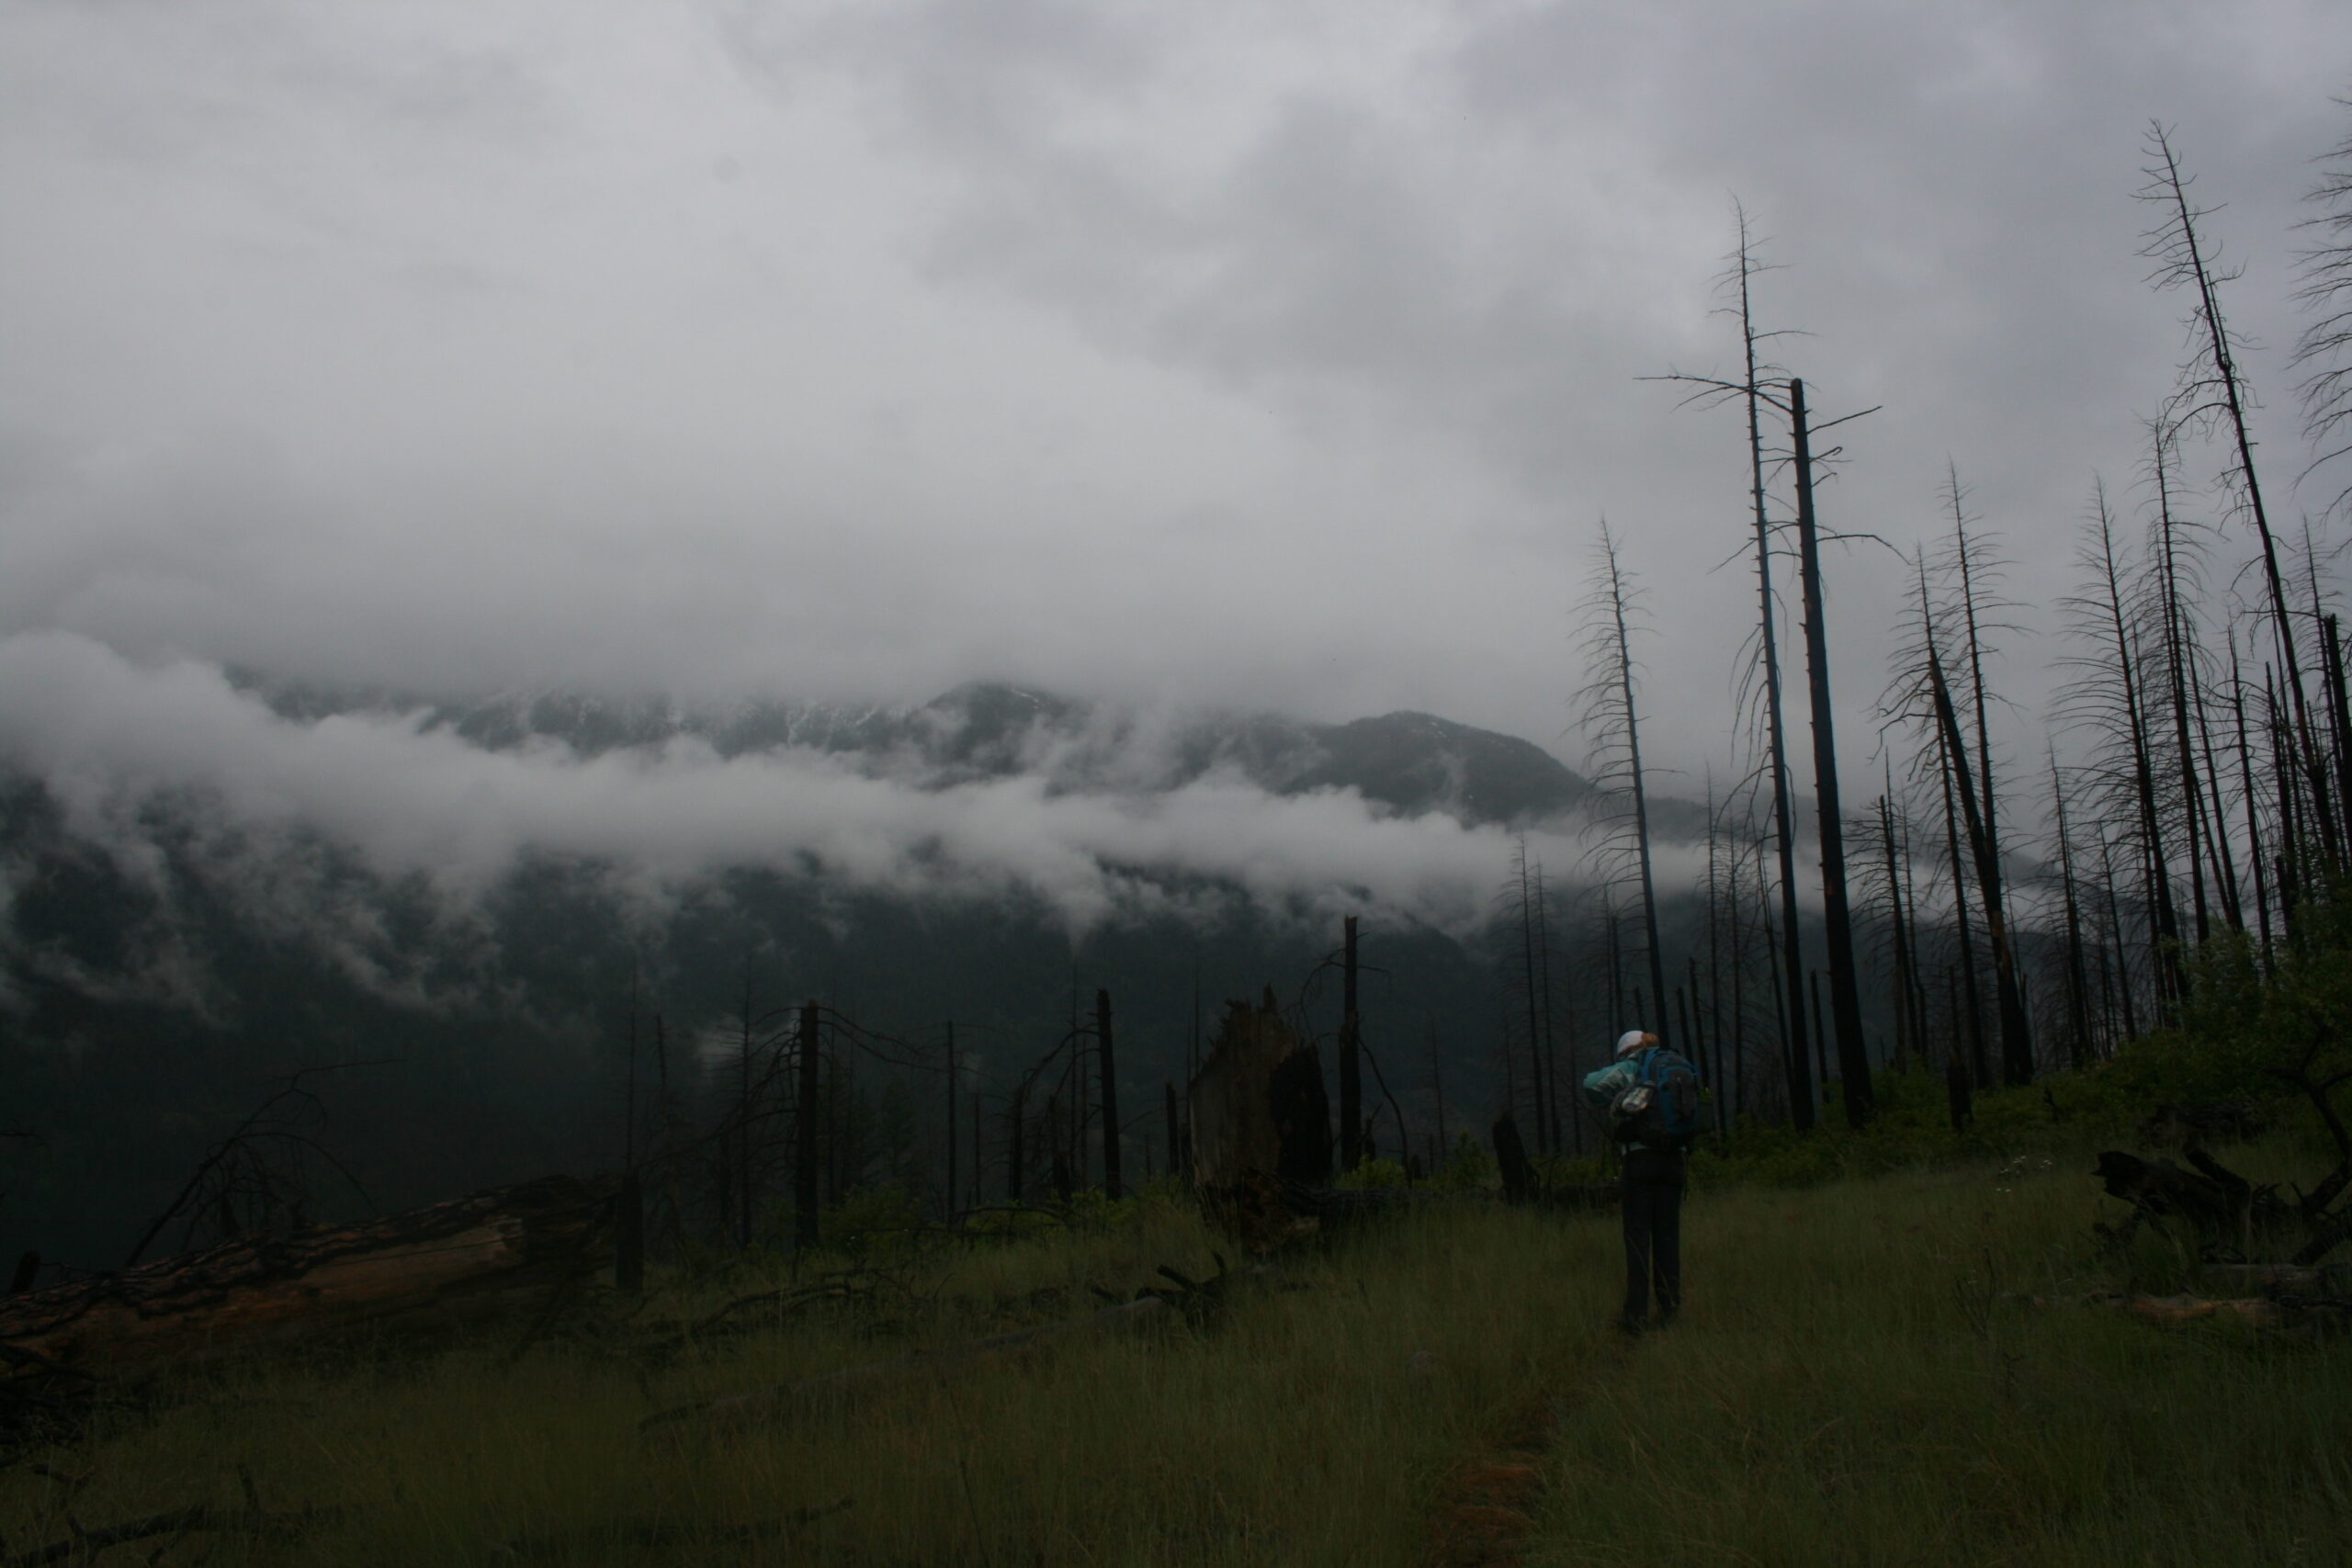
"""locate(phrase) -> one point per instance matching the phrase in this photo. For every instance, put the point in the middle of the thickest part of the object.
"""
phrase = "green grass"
(1849, 1385)
(1296, 1431)
(1855, 1383)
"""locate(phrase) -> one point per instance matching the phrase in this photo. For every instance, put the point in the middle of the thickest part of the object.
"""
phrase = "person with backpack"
(1651, 1095)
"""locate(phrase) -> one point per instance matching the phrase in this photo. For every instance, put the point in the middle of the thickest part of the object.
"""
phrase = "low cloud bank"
(107, 735)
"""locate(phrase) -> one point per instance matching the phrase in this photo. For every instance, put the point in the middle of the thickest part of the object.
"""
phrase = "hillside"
(1409, 763)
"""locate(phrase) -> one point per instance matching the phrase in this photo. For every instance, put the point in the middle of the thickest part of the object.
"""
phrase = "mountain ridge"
(1407, 761)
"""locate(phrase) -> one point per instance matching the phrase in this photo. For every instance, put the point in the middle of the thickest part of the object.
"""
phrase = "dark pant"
(1652, 1196)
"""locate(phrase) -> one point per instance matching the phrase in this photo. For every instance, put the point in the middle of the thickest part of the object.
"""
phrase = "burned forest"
(890, 788)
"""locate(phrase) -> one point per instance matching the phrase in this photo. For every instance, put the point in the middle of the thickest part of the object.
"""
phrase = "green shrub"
(869, 1221)
(1468, 1167)
(1374, 1173)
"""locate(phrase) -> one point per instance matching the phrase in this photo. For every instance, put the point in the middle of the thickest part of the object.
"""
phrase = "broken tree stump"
(1511, 1159)
(2229, 1213)
(1260, 1126)
(448, 1263)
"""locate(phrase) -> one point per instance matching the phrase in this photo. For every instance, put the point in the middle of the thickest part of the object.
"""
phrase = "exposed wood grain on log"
(2171, 1310)
(470, 1258)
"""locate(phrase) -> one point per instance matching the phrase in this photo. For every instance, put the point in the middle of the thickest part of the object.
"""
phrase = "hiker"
(1652, 1098)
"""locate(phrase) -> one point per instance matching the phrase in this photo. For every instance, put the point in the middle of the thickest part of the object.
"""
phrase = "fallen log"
(83, 1545)
(2229, 1214)
(452, 1262)
(778, 1398)
(567, 1545)
(2169, 1310)
(2284, 1281)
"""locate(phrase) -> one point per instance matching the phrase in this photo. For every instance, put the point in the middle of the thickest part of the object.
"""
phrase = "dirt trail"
(1486, 1503)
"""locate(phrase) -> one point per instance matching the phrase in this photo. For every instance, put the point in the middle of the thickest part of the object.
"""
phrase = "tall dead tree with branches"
(2324, 351)
(1611, 718)
(1750, 391)
(2212, 395)
(2108, 699)
(1836, 915)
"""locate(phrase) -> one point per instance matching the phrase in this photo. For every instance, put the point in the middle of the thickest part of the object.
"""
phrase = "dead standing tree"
(1737, 281)
(1552, 1078)
(2172, 560)
(1113, 1186)
(2323, 352)
(1523, 966)
(1845, 1004)
(782, 1081)
(1922, 695)
(806, 1165)
(2017, 1047)
(1611, 721)
(2109, 699)
(1837, 917)
(1975, 575)
(257, 1178)
(2080, 1051)
(1351, 1054)
(2212, 395)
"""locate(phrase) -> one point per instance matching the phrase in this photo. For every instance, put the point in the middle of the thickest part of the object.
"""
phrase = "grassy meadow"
(1855, 1380)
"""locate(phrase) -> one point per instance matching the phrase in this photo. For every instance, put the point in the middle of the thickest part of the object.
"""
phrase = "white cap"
(1630, 1042)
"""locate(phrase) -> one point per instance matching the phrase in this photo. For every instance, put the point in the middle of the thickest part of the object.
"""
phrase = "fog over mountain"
(986, 790)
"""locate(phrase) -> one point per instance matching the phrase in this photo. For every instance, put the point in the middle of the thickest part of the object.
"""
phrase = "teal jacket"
(1602, 1088)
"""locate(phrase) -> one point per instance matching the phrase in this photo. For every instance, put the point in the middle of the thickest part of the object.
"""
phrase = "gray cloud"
(1211, 355)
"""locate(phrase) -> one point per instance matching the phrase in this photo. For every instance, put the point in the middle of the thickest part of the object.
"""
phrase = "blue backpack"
(1659, 1109)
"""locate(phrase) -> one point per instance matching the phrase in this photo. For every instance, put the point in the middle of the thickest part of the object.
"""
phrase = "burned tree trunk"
(1791, 959)
(954, 1113)
(1259, 1124)
(804, 1112)
(1511, 1159)
(2017, 1047)
(1176, 1152)
(1114, 1185)
(1302, 1117)
(1845, 998)
(1351, 1056)
(1013, 1173)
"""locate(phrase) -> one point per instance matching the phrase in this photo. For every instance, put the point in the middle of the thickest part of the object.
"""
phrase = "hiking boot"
(1630, 1327)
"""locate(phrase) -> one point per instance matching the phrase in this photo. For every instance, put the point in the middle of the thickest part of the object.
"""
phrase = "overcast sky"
(1274, 357)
